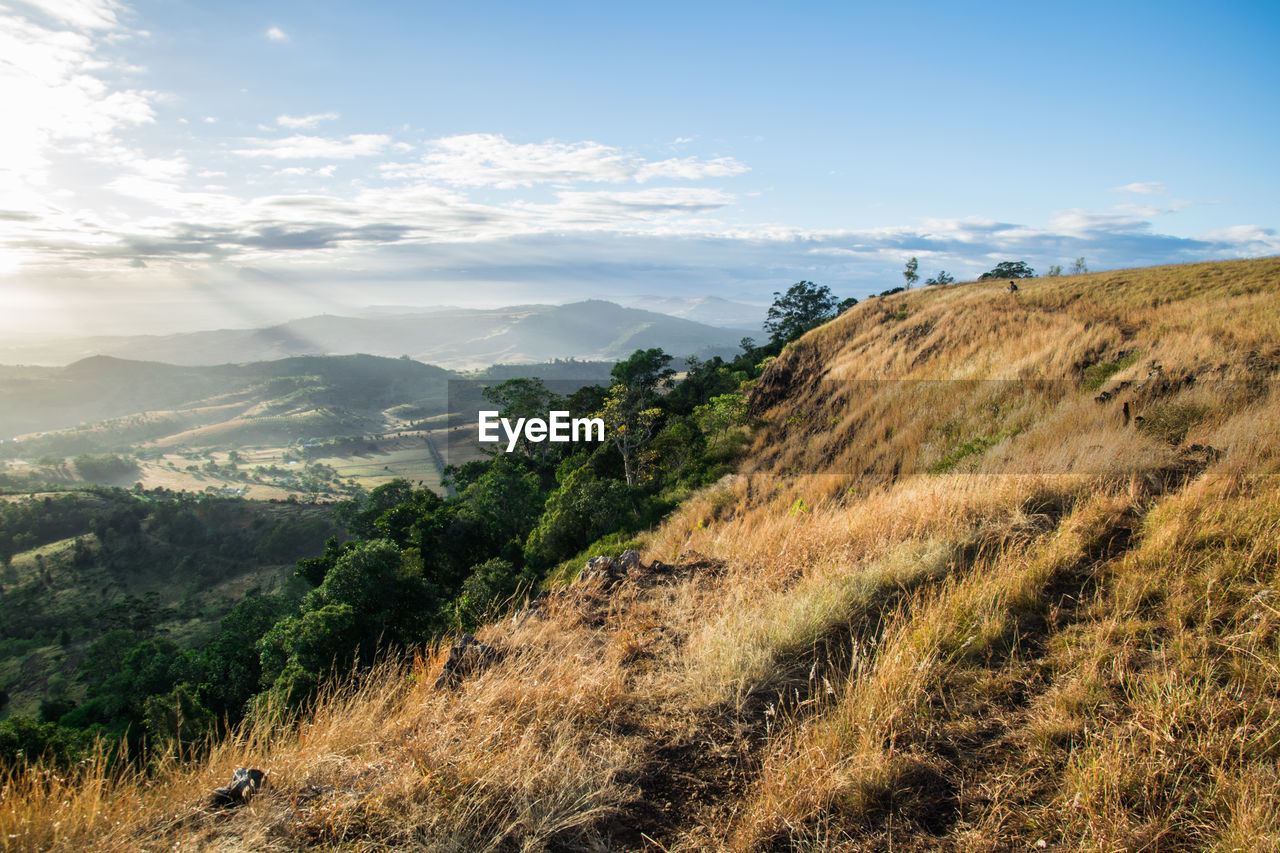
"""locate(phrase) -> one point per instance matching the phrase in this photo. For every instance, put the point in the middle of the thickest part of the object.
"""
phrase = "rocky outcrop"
(466, 657)
(609, 571)
(245, 782)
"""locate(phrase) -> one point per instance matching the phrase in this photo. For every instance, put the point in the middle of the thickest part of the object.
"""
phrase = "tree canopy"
(1009, 269)
(910, 272)
(804, 306)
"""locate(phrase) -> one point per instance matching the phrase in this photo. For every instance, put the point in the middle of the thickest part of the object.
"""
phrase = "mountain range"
(455, 338)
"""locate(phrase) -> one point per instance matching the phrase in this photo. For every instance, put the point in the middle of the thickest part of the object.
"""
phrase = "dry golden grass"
(950, 602)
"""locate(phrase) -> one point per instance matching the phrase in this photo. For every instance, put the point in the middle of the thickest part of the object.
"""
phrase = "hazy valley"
(456, 338)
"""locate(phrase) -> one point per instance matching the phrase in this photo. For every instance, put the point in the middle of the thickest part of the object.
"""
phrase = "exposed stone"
(609, 571)
(1208, 452)
(600, 568)
(534, 609)
(629, 560)
(245, 782)
(466, 657)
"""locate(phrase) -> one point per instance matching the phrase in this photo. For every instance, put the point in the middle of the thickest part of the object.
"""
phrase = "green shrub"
(1095, 375)
(1170, 422)
(566, 572)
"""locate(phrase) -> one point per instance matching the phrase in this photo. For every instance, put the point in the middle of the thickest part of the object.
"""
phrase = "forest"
(140, 666)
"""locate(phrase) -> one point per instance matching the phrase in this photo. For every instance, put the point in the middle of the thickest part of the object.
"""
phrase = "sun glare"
(10, 260)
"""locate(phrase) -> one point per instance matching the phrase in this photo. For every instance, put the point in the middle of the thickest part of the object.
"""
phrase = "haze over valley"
(455, 338)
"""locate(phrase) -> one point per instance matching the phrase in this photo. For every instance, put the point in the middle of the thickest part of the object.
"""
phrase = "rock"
(533, 609)
(600, 568)
(608, 570)
(1208, 451)
(629, 560)
(467, 656)
(245, 782)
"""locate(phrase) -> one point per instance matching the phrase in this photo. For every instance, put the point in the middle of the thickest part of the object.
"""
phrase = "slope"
(1000, 572)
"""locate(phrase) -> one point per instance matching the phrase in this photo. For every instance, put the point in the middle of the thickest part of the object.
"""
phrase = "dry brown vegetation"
(952, 602)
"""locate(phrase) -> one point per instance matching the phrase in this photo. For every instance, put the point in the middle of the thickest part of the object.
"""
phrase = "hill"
(999, 571)
(103, 387)
(323, 425)
(711, 310)
(453, 338)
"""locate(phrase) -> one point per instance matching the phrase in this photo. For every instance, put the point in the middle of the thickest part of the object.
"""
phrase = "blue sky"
(179, 165)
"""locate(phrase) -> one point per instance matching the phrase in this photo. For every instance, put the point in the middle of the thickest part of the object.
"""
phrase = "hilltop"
(999, 570)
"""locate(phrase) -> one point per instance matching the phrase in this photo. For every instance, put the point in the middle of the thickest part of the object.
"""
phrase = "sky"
(167, 165)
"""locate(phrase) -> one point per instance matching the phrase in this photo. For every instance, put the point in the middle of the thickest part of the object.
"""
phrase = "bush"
(1171, 422)
(1095, 375)
(583, 509)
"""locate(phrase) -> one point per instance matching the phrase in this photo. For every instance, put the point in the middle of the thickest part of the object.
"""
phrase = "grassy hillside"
(1000, 572)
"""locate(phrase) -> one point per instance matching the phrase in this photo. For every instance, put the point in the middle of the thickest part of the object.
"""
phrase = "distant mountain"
(457, 338)
(104, 387)
(711, 310)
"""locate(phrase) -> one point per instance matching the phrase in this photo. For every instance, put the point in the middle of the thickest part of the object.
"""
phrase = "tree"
(720, 413)
(1009, 269)
(910, 273)
(583, 508)
(846, 304)
(524, 398)
(630, 426)
(490, 584)
(943, 278)
(1079, 267)
(1055, 270)
(507, 500)
(804, 306)
(371, 597)
(644, 372)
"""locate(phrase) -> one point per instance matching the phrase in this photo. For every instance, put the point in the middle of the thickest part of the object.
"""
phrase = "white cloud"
(690, 168)
(315, 147)
(277, 34)
(210, 120)
(83, 14)
(488, 159)
(57, 107)
(1245, 240)
(1079, 222)
(303, 171)
(1142, 188)
(304, 122)
(617, 208)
